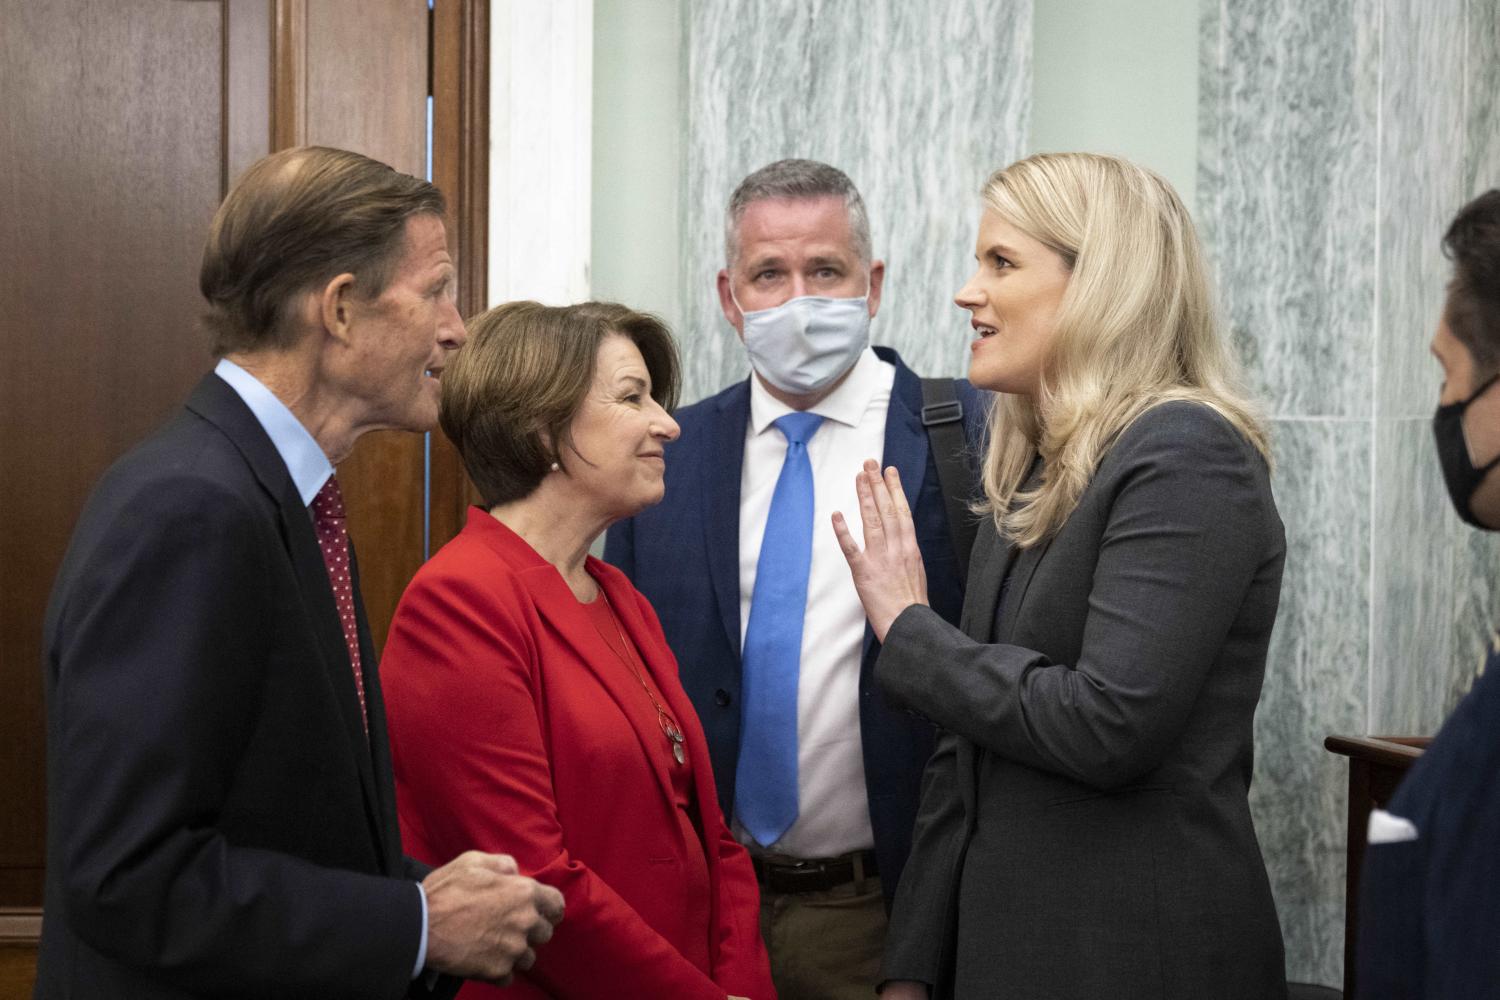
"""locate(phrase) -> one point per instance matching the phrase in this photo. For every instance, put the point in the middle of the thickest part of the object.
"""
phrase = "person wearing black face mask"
(1430, 888)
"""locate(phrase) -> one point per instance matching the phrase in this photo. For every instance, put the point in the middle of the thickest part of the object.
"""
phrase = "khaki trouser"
(825, 945)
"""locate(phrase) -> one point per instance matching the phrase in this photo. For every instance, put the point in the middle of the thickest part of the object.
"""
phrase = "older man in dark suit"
(221, 820)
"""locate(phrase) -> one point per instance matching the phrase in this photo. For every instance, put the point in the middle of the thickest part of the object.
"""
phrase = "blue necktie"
(765, 784)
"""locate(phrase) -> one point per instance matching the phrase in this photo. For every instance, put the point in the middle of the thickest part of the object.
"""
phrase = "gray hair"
(798, 179)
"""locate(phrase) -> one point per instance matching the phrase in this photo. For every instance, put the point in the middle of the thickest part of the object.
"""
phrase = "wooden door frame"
(460, 66)
(267, 83)
(459, 81)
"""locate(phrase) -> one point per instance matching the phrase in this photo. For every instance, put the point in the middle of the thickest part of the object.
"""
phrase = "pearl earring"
(555, 467)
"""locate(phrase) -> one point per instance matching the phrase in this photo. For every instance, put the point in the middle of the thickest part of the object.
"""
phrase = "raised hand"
(888, 571)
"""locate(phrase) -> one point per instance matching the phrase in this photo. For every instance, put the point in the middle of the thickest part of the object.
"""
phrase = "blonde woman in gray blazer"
(1084, 830)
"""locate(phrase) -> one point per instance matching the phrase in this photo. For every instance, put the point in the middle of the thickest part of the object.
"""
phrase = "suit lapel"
(725, 444)
(905, 447)
(572, 626)
(383, 779)
(905, 437)
(991, 561)
(1025, 564)
(323, 617)
(216, 402)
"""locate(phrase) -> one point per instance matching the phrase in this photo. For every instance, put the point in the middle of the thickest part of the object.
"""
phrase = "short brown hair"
(797, 180)
(295, 220)
(518, 382)
(1473, 310)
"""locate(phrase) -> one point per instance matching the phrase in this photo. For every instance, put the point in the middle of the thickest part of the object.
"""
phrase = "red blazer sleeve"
(740, 964)
(472, 772)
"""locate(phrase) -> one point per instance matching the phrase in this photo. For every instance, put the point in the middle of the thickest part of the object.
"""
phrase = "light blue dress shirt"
(309, 469)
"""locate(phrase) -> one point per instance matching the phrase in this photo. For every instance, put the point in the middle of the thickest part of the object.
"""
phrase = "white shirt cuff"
(422, 945)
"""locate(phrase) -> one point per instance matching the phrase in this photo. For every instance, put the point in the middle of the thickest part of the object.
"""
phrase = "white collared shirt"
(833, 812)
(305, 461)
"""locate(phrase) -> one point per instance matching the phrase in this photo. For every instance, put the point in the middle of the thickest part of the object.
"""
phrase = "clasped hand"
(888, 571)
(485, 919)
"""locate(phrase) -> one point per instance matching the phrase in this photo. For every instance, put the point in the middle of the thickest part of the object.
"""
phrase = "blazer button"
(721, 698)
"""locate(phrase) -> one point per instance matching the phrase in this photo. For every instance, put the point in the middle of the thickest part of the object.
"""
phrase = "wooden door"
(124, 122)
(353, 74)
(114, 153)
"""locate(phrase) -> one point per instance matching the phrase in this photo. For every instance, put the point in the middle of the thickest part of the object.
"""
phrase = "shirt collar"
(305, 461)
(846, 404)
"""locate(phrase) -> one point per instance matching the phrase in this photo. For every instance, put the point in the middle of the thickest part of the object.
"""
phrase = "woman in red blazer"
(534, 705)
(534, 708)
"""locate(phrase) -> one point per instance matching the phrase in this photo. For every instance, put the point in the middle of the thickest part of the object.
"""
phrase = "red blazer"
(508, 736)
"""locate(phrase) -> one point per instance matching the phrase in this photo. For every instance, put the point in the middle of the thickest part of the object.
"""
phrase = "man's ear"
(877, 281)
(726, 305)
(336, 307)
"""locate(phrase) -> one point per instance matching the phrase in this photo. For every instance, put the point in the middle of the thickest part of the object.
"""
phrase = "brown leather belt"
(815, 875)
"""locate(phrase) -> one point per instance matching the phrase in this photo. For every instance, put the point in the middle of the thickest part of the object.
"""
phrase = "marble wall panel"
(1337, 138)
(916, 102)
(1414, 661)
(1287, 181)
(1476, 582)
(1423, 66)
(1315, 683)
(1482, 79)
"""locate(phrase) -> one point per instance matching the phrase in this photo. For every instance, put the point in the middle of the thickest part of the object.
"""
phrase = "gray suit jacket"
(1084, 829)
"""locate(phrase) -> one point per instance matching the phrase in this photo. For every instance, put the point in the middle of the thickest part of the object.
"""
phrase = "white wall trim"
(541, 107)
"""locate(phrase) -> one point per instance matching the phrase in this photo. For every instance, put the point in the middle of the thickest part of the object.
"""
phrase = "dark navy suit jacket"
(1429, 924)
(219, 821)
(683, 554)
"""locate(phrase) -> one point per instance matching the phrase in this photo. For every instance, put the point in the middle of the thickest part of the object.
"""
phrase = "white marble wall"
(917, 102)
(1337, 137)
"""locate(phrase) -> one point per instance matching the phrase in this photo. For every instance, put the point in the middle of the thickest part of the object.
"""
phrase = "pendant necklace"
(668, 726)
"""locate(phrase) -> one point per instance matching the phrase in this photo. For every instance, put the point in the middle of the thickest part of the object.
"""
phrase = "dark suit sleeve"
(920, 929)
(158, 654)
(619, 546)
(1185, 534)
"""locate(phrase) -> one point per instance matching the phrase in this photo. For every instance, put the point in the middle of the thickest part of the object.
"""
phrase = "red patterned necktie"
(333, 539)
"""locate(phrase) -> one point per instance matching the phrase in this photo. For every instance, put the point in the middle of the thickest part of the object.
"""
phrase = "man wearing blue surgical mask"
(1430, 890)
(818, 775)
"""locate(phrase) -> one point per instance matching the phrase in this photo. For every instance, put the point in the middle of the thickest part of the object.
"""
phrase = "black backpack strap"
(943, 416)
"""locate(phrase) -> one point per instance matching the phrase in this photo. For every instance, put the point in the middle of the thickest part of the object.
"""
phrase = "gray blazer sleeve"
(1183, 507)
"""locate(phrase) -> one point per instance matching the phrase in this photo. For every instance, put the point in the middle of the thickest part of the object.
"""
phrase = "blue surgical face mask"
(806, 343)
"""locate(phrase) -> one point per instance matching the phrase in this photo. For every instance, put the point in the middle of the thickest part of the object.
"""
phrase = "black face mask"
(1459, 474)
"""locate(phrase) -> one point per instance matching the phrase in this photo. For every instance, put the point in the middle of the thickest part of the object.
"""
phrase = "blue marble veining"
(1315, 681)
(1288, 179)
(918, 103)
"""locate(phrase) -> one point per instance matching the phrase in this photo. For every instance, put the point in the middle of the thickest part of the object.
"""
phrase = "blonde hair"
(1136, 327)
